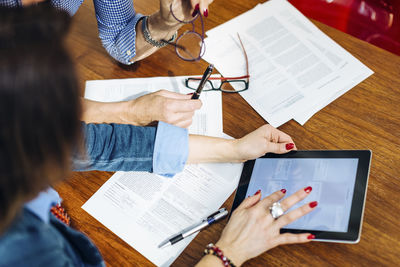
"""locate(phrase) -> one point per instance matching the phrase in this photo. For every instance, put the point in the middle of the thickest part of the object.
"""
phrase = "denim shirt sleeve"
(124, 147)
(116, 21)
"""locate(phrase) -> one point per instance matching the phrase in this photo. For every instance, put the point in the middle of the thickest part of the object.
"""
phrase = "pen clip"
(215, 213)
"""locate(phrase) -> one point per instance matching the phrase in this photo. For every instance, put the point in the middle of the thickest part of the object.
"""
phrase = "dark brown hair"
(39, 104)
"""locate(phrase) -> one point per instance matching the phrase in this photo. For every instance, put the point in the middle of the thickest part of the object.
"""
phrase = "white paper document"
(144, 209)
(206, 121)
(295, 69)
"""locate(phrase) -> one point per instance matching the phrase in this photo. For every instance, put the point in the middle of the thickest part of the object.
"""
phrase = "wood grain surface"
(366, 117)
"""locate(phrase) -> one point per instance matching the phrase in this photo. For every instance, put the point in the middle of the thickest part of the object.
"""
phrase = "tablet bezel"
(359, 195)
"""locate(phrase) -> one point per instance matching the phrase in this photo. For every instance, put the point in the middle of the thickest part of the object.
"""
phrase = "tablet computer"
(339, 180)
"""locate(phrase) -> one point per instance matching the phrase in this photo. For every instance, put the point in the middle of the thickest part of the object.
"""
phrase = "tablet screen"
(332, 180)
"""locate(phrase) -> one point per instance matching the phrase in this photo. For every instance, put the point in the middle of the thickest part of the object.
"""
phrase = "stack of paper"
(295, 69)
(144, 209)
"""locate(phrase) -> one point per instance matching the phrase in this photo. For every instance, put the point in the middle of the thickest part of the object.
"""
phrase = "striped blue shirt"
(116, 20)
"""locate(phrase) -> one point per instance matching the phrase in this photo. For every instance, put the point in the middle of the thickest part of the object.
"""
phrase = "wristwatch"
(150, 40)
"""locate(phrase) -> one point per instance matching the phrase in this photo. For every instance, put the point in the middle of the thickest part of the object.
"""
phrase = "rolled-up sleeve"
(122, 147)
(116, 21)
(171, 149)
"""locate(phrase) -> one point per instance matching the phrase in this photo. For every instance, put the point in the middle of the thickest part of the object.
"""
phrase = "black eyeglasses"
(224, 84)
(189, 45)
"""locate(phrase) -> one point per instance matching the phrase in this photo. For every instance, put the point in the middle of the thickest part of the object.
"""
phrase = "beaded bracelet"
(211, 249)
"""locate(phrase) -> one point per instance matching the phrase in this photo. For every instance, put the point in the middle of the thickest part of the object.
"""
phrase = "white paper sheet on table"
(206, 121)
(295, 69)
(144, 209)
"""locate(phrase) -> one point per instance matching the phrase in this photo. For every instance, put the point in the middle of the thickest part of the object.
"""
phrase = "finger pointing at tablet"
(293, 215)
(251, 229)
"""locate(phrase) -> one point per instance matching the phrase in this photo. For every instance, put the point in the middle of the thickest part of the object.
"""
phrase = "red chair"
(375, 21)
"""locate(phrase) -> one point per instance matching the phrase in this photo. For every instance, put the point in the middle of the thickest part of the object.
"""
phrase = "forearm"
(100, 112)
(159, 30)
(212, 149)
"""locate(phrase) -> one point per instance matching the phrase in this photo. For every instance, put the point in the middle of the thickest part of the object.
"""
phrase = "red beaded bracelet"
(211, 249)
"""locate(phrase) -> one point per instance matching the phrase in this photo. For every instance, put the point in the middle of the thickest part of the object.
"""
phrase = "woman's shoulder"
(31, 242)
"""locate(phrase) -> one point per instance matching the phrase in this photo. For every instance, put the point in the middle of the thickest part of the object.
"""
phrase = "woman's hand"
(252, 230)
(264, 140)
(253, 145)
(184, 10)
(201, 6)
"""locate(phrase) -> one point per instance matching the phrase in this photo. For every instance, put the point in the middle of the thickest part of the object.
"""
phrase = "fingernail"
(205, 13)
(258, 192)
(311, 237)
(189, 94)
(289, 146)
(283, 191)
(308, 189)
(313, 204)
(196, 9)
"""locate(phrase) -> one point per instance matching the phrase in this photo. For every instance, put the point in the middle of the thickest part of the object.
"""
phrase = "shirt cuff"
(124, 48)
(171, 149)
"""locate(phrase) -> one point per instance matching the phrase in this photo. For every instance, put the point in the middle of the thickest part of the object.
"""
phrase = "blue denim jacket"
(37, 238)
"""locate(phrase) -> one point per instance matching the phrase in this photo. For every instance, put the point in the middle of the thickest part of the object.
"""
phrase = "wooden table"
(366, 117)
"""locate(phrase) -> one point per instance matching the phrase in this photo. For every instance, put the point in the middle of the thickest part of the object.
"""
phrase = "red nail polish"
(258, 192)
(311, 237)
(196, 10)
(189, 94)
(205, 13)
(283, 191)
(313, 204)
(308, 189)
(289, 146)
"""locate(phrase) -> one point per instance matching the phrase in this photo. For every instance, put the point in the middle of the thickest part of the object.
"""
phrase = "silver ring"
(276, 210)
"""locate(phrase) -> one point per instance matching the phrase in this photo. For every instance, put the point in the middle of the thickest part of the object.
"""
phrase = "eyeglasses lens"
(193, 84)
(190, 46)
(233, 86)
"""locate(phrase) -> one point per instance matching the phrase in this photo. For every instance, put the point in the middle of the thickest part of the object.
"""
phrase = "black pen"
(218, 215)
(203, 81)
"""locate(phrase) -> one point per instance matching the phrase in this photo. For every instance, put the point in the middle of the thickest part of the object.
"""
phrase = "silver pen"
(216, 216)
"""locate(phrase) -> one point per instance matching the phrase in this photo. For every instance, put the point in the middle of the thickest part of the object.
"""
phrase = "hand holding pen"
(203, 81)
(216, 216)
